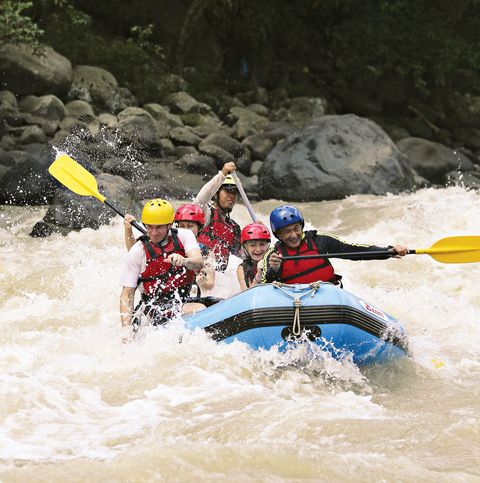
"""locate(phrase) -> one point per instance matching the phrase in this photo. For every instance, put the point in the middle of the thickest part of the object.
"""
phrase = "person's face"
(291, 235)
(156, 233)
(189, 225)
(227, 197)
(256, 248)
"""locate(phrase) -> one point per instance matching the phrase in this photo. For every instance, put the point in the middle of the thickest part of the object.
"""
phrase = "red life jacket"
(305, 271)
(221, 236)
(160, 278)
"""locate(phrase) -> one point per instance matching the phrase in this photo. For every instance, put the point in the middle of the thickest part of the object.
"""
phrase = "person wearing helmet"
(255, 239)
(163, 263)
(220, 234)
(192, 217)
(287, 225)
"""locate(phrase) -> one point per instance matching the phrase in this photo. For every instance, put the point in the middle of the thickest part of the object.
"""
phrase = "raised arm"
(208, 190)
(129, 238)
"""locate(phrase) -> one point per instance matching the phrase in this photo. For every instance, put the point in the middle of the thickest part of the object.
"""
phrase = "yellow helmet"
(229, 181)
(157, 212)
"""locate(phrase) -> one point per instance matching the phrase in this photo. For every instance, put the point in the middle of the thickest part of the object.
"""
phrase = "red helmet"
(190, 212)
(255, 231)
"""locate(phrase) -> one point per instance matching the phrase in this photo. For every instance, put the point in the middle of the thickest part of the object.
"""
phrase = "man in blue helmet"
(287, 225)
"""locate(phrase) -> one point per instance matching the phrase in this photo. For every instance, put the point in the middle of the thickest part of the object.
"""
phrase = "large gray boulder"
(24, 70)
(433, 160)
(334, 157)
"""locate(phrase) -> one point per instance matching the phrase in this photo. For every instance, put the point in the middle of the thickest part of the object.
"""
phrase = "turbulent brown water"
(77, 405)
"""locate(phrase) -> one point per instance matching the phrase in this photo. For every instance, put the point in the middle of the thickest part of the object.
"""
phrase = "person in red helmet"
(255, 239)
(192, 217)
(220, 234)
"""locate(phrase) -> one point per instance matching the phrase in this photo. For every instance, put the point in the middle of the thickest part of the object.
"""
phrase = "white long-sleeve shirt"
(206, 194)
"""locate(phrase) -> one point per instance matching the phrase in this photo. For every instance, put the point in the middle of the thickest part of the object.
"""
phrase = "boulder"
(259, 145)
(33, 134)
(245, 122)
(183, 103)
(136, 126)
(99, 87)
(28, 182)
(256, 168)
(183, 136)
(433, 160)
(229, 144)
(47, 107)
(27, 70)
(218, 154)
(303, 110)
(8, 108)
(469, 180)
(198, 163)
(334, 157)
(80, 110)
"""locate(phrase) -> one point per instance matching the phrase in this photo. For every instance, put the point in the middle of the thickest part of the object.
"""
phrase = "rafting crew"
(220, 234)
(255, 240)
(287, 224)
(163, 264)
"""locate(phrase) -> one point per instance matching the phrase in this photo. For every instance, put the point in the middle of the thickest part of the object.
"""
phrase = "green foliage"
(15, 26)
(135, 62)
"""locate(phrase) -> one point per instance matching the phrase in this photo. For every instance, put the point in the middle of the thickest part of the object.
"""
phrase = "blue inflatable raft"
(278, 315)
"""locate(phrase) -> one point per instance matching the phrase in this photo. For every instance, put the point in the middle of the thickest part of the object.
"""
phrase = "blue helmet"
(284, 216)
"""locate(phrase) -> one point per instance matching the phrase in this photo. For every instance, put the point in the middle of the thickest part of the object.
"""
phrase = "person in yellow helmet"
(162, 263)
(220, 234)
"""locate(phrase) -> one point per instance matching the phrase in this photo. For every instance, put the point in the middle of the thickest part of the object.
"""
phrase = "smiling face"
(227, 197)
(291, 235)
(189, 225)
(256, 248)
(157, 233)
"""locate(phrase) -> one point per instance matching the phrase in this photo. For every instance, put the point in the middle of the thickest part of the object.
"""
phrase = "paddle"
(77, 179)
(244, 196)
(454, 249)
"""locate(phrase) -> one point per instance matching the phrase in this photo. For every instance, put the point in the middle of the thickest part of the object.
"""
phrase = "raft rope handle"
(297, 302)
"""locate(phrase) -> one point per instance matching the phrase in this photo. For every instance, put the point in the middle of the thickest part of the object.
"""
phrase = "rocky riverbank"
(298, 149)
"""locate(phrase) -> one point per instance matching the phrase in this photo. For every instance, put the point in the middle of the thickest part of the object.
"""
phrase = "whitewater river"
(76, 404)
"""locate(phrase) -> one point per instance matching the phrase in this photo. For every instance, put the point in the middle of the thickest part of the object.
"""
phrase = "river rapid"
(76, 404)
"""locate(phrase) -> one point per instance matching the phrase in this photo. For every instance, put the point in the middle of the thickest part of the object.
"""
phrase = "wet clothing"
(249, 271)
(160, 279)
(221, 237)
(163, 286)
(312, 270)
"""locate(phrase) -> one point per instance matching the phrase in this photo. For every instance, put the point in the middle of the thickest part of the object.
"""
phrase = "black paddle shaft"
(133, 223)
(389, 253)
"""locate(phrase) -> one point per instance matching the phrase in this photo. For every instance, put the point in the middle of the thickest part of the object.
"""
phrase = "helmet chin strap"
(163, 241)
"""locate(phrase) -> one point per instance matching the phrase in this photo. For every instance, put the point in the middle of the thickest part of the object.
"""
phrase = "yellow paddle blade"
(454, 249)
(75, 177)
